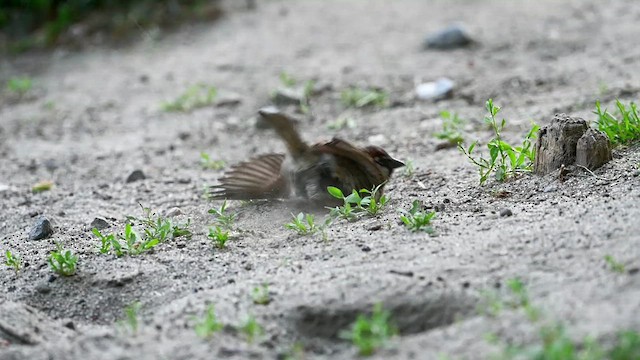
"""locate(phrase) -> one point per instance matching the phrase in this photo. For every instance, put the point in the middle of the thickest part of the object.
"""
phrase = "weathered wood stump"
(567, 141)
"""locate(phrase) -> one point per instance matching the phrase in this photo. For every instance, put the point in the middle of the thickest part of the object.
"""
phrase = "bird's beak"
(391, 163)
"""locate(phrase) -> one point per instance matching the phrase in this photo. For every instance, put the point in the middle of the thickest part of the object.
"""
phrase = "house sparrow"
(308, 170)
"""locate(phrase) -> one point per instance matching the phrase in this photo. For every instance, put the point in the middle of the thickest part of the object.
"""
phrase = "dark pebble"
(506, 212)
(43, 288)
(135, 176)
(365, 248)
(99, 223)
(41, 229)
(70, 325)
(451, 37)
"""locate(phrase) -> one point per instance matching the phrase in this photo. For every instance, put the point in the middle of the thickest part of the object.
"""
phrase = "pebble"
(365, 248)
(41, 229)
(174, 211)
(375, 226)
(506, 212)
(99, 223)
(288, 96)
(435, 90)
(550, 188)
(451, 37)
(135, 176)
(43, 288)
(228, 99)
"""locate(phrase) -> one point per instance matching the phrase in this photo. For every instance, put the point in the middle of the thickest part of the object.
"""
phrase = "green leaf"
(335, 192)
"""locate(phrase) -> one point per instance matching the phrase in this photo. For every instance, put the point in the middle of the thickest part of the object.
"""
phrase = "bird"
(307, 170)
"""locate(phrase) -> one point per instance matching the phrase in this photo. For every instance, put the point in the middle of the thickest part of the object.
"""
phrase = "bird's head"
(382, 158)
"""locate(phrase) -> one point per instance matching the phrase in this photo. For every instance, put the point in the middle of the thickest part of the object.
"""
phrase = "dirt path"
(94, 117)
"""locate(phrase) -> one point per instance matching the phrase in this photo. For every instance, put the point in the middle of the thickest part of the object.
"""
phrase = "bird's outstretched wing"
(257, 178)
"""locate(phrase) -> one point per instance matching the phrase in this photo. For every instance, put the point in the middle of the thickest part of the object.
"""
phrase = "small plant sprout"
(19, 85)
(12, 260)
(106, 241)
(342, 122)
(288, 81)
(505, 161)
(302, 223)
(132, 316)
(221, 217)
(196, 96)
(614, 265)
(260, 295)
(417, 219)
(209, 325)
(355, 203)
(621, 129)
(358, 98)
(369, 333)
(219, 236)
(62, 262)
(409, 168)
(451, 128)
(42, 186)
(208, 163)
(251, 329)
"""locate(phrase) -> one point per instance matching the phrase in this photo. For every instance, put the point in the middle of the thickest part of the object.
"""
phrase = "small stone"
(174, 211)
(506, 212)
(288, 96)
(550, 188)
(41, 229)
(99, 223)
(451, 37)
(228, 99)
(375, 226)
(365, 248)
(70, 325)
(378, 140)
(135, 176)
(43, 288)
(593, 149)
(435, 90)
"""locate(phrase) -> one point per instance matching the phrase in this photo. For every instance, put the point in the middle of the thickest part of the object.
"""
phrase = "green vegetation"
(614, 265)
(219, 236)
(155, 230)
(622, 128)
(261, 295)
(302, 223)
(222, 218)
(12, 260)
(209, 324)
(451, 128)
(342, 122)
(131, 316)
(358, 98)
(62, 262)
(208, 163)
(251, 329)
(416, 219)
(42, 186)
(369, 333)
(355, 204)
(288, 81)
(19, 85)
(409, 168)
(505, 161)
(196, 96)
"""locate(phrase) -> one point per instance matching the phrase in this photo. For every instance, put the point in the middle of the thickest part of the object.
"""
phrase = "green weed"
(627, 347)
(219, 236)
(304, 224)
(451, 128)
(409, 168)
(208, 163)
(504, 161)
(19, 85)
(222, 218)
(355, 204)
(196, 96)
(42, 186)
(342, 122)
(416, 219)
(358, 98)
(261, 295)
(289, 81)
(369, 333)
(62, 262)
(12, 260)
(209, 324)
(621, 129)
(131, 316)
(613, 264)
(251, 329)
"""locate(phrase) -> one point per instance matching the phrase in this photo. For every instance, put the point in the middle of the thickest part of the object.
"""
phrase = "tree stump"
(568, 141)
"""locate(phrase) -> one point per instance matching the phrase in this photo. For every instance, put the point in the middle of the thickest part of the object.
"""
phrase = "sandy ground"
(94, 116)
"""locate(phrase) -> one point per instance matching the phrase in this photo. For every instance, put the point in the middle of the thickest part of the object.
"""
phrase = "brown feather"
(258, 178)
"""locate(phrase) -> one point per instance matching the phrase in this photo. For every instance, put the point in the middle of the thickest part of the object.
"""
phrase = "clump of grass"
(357, 203)
(622, 128)
(288, 81)
(614, 265)
(342, 122)
(251, 329)
(12, 260)
(208, 163)
(505, 161)
(132, 316)
(369, 333)
(409, 168)
(222, 218)
(62, 262)
(155, 230)
(196, 96)
(42, 186)
(627, 346)
(209, 324)
(219, 236)
(451, 128)
(417, 219)
(303, 224)
(358, 97)
(261, 295)
(19, 85)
